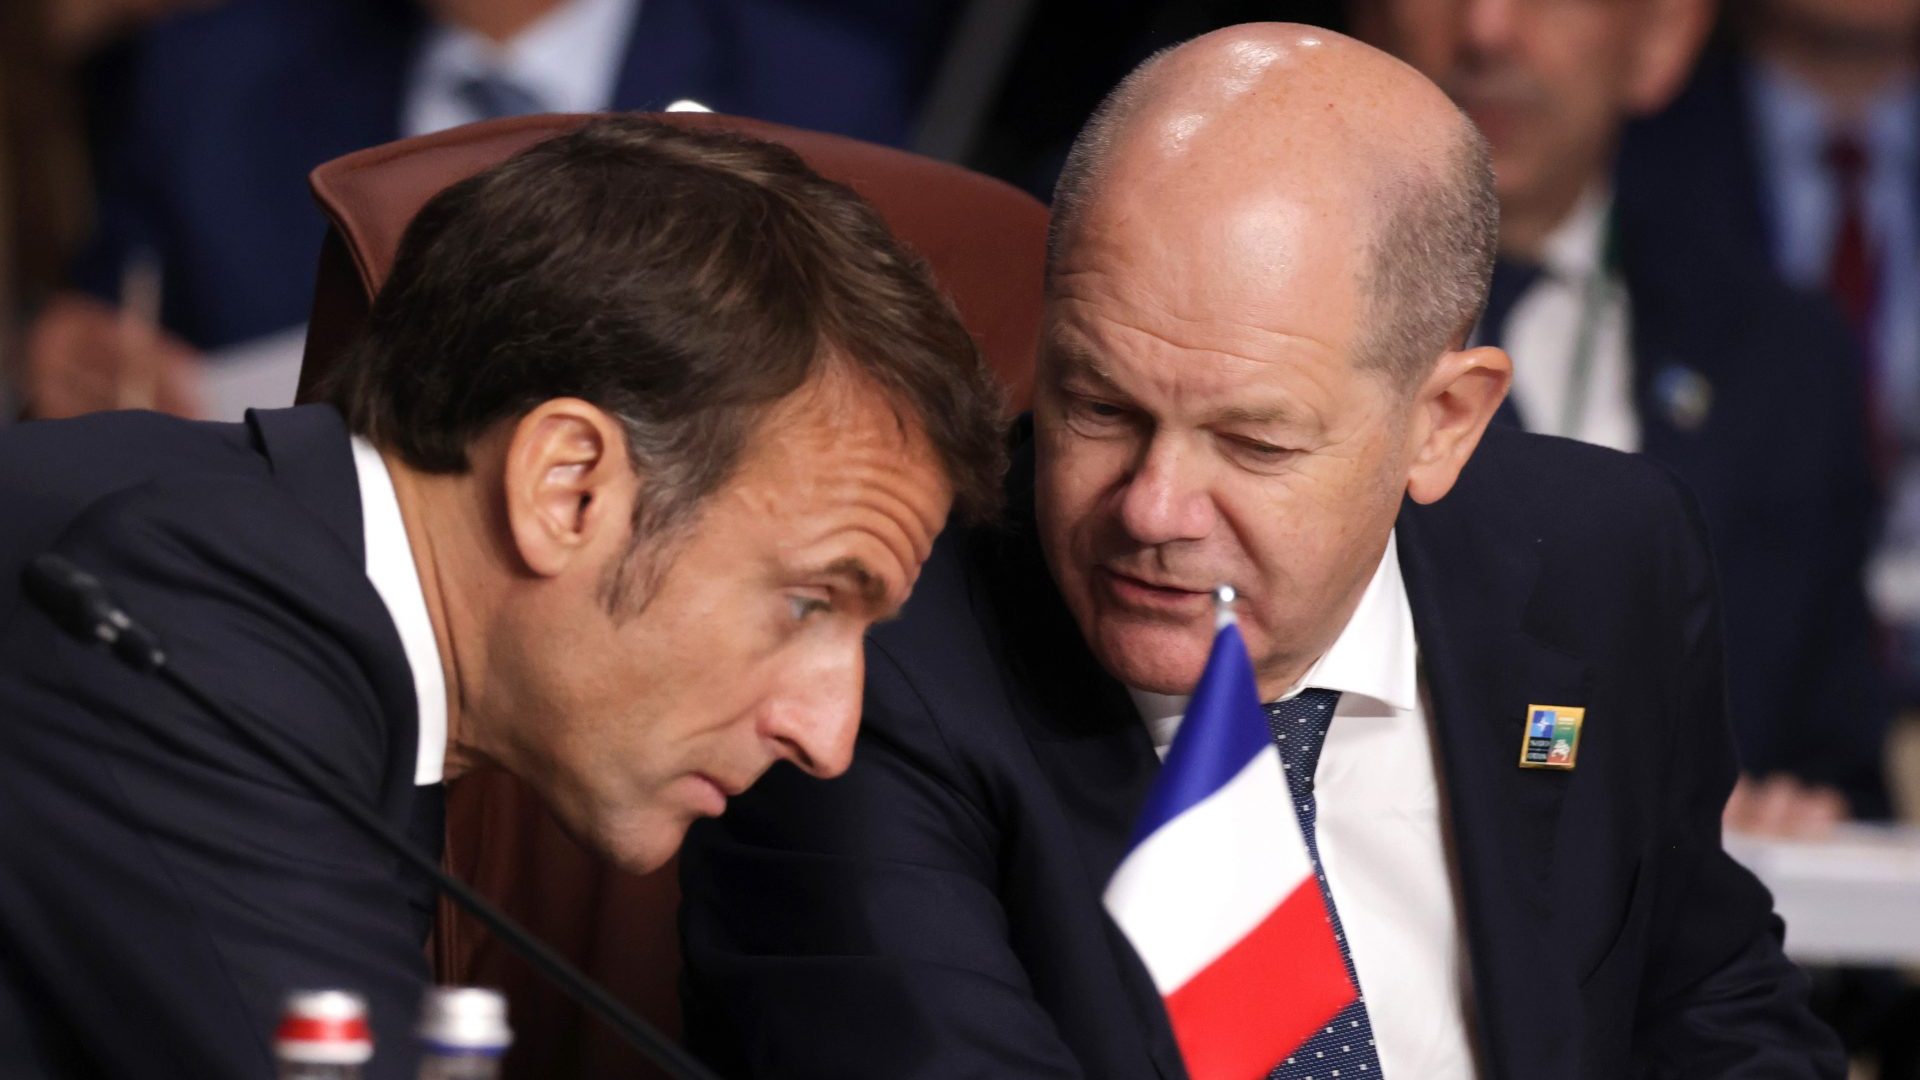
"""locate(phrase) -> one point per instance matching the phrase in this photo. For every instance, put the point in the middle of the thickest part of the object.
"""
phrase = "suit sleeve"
(166, 886)
(852, 928)
(1719, 998)
(1838, 736)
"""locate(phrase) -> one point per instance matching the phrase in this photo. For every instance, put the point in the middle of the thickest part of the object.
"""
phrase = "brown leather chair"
(985, 242)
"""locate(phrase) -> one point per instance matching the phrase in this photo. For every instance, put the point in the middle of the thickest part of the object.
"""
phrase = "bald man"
(1269, 246)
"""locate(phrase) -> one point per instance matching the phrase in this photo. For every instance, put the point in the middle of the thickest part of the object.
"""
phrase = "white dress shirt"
(1382, 829)
(570, 58)
(391, 569)
(1543, 335)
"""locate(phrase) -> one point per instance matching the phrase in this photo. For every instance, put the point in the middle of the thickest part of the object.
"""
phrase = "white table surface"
(1851, 898)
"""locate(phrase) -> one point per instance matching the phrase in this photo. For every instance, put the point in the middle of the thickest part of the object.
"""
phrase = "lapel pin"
(1685, 396)
(1552, 739)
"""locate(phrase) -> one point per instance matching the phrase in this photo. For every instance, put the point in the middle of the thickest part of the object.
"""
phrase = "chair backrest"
(985, 242)
(984, 239)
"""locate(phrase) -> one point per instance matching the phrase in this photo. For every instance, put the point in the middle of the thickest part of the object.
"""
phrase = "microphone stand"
(79, 604)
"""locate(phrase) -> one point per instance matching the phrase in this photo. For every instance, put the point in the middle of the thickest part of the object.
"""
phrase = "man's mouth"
(1150, 596)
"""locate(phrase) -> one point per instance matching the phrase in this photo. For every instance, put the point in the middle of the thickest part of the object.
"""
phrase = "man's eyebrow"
(866, 584)
(1247, 414)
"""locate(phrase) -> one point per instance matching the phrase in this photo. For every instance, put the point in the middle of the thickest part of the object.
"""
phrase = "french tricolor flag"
(1218, 893)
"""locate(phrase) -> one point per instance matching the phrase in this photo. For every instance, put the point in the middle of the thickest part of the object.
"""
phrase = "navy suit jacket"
(936, 911)
(1780, 462)
(1701, 157)
(165, 885)
(227, 111)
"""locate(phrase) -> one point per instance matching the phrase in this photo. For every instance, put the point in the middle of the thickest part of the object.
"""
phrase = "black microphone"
(77, 601)
(81, 605)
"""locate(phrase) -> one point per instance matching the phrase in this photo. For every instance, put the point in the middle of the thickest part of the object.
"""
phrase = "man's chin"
(638, 843)
(1152, 656)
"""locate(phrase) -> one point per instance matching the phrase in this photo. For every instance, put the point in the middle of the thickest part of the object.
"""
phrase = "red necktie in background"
(1851, 282)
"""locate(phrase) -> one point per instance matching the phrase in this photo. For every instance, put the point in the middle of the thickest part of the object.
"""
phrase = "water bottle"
(463, 1033)
(323, 1035)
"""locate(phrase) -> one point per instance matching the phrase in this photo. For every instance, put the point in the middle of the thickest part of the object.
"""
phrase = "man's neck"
(434, 511)
(1528, 220)
(499, 21)
(1848, 71)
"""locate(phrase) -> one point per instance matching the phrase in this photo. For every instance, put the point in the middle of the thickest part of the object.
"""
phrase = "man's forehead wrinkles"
(1280, 341)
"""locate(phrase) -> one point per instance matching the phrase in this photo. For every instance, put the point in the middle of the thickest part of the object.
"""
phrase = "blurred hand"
(1781, 806)
(79, 26)
(84, 356)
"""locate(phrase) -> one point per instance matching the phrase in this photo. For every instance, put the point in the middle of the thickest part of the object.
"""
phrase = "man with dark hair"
(1253, 376)
(649, 427)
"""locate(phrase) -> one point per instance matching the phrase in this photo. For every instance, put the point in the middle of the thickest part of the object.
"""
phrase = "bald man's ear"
(1451, 410)
(1671, 33)
(568, 485)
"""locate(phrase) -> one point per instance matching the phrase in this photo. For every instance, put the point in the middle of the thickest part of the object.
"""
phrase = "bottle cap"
(324, 1027)
(465, 1020)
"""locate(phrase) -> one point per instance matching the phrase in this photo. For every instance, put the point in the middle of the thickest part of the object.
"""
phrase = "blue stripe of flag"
(1223, 729)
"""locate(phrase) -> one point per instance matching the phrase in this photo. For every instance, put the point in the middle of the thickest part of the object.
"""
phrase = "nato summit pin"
(1553, 736)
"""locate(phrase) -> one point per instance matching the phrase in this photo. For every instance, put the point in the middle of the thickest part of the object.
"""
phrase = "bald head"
(1281, 142)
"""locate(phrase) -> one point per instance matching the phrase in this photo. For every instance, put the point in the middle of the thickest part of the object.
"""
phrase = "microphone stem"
(584, 991)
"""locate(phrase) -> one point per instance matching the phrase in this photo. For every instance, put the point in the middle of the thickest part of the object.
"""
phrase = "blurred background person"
(207, 237)
(49, 50)
(1794, 148)
(1627, 332)
(1798, 145)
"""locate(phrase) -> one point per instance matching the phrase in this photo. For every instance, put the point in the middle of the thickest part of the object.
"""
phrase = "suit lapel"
(1101, 763)
(1470, 566)
(308, 451)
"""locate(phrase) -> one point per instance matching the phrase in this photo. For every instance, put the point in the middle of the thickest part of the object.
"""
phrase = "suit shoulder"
(1567, 479)
(250, 592)
(1611, 530)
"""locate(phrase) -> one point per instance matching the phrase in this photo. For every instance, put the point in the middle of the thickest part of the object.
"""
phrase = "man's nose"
(1166, 498)
(1488, 25)
(815, 721)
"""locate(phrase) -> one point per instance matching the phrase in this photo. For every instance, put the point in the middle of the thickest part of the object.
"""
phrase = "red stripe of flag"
(1260, 1000)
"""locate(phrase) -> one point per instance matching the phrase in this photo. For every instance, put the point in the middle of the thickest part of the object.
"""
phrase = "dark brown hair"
(683, 280)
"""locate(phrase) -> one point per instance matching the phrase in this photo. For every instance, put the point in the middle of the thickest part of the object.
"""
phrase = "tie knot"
(1299, 728)
(1846, 157)
(494, 96)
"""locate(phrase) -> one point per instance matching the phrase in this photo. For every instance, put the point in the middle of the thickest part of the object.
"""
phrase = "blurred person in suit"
(1796, 147)
(1630, 328)
(648, 426)
(1269, 247)
(204, 205)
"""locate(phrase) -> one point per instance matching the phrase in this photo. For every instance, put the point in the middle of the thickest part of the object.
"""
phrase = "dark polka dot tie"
(1344, 1048)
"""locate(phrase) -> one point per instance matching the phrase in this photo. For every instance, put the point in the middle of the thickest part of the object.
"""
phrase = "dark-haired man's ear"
(1451, 410)
(569, 487)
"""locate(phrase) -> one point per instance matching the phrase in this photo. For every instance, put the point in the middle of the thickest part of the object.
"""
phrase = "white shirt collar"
(1375, 656)
(571, 58)
(391, 569)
